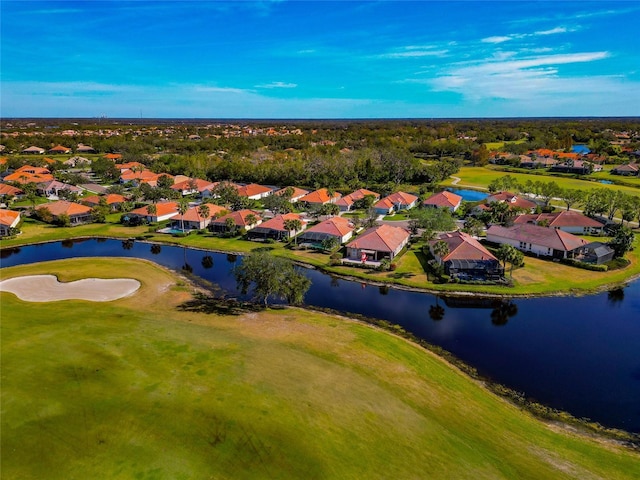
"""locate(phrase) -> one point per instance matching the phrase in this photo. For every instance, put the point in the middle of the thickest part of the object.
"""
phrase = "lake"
(579, 354)
(469, 195)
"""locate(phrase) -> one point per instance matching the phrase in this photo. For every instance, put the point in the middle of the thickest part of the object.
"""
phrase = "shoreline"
(376, 283)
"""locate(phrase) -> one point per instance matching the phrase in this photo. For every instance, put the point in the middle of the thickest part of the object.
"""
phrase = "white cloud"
(220, 89)
(496, 39)
(518, 36)
(552, 31)
(518, 78)
(277, 85)
(414, 51)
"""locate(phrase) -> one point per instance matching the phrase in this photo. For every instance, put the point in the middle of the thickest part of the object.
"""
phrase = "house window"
(523, 245)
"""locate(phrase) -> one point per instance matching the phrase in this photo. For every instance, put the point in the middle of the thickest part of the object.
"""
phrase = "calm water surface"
(581, 354)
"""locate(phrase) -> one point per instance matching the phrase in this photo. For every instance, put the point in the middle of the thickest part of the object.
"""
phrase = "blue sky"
(303, 59)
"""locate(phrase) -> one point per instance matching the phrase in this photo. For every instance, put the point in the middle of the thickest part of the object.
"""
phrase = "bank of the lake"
(144, 387)
(538, 277)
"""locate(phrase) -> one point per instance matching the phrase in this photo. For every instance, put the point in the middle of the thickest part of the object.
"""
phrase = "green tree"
(183, 207)
(509, 254)
(293, 225)
(230, 226)
(571, 196)
(622, 240)
(270, 276)
(203, 211)
(440, 250)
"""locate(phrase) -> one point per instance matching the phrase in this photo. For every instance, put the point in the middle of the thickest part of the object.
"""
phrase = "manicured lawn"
(481, 177)
(139, 388)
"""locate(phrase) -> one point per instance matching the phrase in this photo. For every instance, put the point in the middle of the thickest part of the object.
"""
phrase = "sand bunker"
(47, 288)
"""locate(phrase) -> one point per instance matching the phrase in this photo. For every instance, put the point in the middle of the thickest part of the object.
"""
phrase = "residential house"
(194, 185)
(512, 199)
(53, 188)
(444, 199)
(467, 259)
(193, 220)
(377, 243)
(578, 167)
(253, 191)
(76, 212)
(628, 170)
(135, 166)
(537, 161)
(541, 241)
(346, 203)
(9, 191)
(164, 211)
(320, 197)
(296, 194)
(395, 202)
(9, 220)
(242, 219)
(275, 228)
(335, 227)
(82, 148)
(33, 150)
(113, 200)
(566, 220)
(77, 161)
(29, 174)
(59, 149)
(113, 156)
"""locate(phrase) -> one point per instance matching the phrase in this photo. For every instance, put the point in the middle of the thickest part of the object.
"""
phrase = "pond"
(579, 354)
(580, 148)
(469, 195)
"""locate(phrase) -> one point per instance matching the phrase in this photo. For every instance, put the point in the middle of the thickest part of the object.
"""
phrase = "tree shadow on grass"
(401, 275)
(209, 304)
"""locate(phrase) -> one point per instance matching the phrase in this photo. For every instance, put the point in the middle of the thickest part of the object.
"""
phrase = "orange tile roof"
(337, 226)
(63, 206)
(277, 222)
(239, 217)
(32, 169)
(320, 196)
(384, 238)
(111, 198)
(444, 199)
(201, 185)
(9, 218)
(565, 218)
(162, 209)
(9, 190)
(60, 148)
(297, 192)
(113, 156)
(24, 177)
(193, 214)
(464, 247)
(252, 189)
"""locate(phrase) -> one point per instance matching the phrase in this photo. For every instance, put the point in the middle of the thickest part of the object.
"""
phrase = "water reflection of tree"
(616, 296)
(127, 244)
(101, 239)
(502, 312)
(231, 258)
(67, 243)
(207, 261)
(335, 282)
(7, 252)
(436, 312)
(156, 249)
(384, 289)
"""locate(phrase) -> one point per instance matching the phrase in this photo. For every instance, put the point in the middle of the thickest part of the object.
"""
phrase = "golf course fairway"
(157, 386)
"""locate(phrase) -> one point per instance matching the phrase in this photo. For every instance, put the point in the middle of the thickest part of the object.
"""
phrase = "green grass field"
(481, 177)
(139, 388)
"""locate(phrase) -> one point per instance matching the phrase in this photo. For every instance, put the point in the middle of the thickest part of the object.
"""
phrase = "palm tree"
(152, 209)
(183, 206)
(250, 219)
(440, 250)
(203, 211)
(293, 225)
